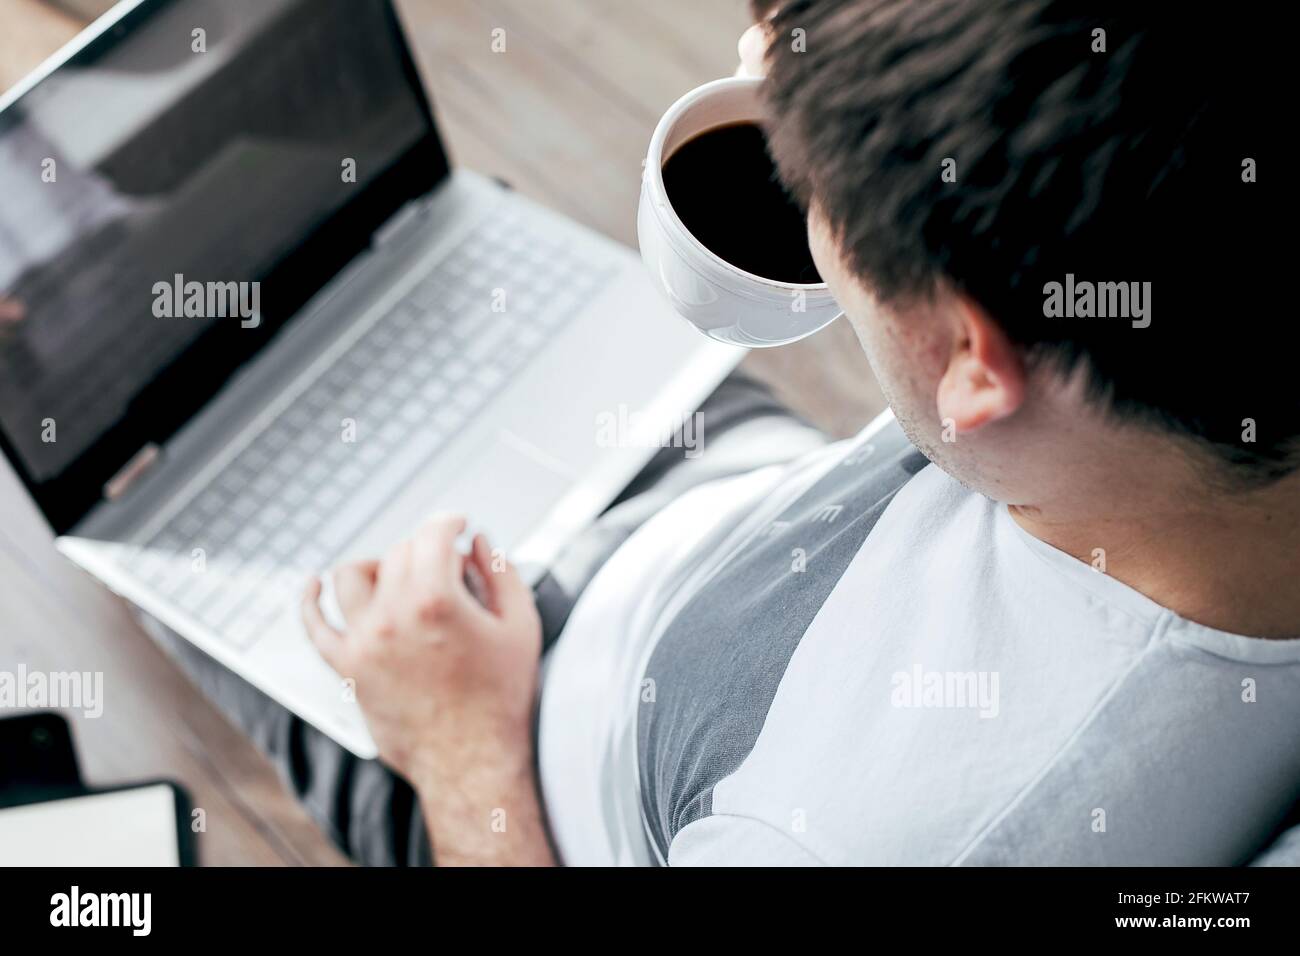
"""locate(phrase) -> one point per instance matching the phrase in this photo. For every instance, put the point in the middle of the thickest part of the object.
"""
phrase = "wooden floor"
(564, 114)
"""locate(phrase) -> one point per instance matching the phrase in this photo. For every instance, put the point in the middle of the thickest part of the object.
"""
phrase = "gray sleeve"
(1134, 763)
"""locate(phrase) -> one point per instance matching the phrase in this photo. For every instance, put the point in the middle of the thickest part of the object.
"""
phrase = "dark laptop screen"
(169, 197)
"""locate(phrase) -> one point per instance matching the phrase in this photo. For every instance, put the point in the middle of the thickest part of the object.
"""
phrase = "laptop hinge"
(399, 222)
(140, 462)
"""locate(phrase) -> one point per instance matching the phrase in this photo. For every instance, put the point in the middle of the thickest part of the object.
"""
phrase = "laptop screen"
(169, 197)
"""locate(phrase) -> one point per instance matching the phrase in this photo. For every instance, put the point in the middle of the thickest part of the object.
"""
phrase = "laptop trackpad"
(507, 491)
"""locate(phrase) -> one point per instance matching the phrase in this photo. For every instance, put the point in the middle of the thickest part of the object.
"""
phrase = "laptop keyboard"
(293, 497)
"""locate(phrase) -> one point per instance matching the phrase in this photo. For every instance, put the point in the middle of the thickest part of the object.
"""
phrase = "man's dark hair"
(1117, 163)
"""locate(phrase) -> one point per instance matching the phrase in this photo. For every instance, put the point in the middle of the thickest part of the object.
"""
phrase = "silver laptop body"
(477, 354)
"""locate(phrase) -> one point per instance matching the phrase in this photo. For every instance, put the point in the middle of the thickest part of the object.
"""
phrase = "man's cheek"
(848, 292)
(820, 245)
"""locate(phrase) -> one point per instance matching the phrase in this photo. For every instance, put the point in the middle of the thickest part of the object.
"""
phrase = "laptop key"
(354, 513)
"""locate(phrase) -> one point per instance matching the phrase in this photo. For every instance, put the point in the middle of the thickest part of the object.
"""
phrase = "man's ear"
(985, 377)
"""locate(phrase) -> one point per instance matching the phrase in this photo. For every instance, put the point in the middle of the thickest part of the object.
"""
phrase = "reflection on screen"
(159, 159)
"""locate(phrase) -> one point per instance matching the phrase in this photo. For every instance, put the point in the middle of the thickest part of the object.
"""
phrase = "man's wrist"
(490, 816)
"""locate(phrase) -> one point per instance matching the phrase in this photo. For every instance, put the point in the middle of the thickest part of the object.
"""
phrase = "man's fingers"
(753, 49)
(506, 591)
(354, 587)
(394, 571)
(480, 556)
(435, 562)
(327, 640)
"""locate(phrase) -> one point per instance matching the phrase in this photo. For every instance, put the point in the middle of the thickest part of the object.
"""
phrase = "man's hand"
(752, 50)
(447, 683)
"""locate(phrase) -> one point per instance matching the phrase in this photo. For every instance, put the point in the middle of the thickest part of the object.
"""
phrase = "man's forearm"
(492, 818)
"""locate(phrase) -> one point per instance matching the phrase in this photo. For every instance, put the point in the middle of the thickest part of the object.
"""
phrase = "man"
(1069, 638)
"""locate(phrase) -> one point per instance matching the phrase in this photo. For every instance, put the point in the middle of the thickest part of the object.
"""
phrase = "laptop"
(253, 324)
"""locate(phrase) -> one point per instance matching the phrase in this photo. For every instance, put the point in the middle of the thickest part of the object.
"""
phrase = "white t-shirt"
(855, 660)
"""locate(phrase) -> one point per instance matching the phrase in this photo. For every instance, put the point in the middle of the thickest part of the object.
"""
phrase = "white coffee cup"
(721, 300)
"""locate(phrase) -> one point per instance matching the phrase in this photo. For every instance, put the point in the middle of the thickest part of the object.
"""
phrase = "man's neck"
(1228, 560)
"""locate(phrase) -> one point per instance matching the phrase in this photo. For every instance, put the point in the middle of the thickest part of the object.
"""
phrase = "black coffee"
(724, 187)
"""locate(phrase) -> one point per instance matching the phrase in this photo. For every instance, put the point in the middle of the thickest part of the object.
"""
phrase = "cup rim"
(655, 172)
